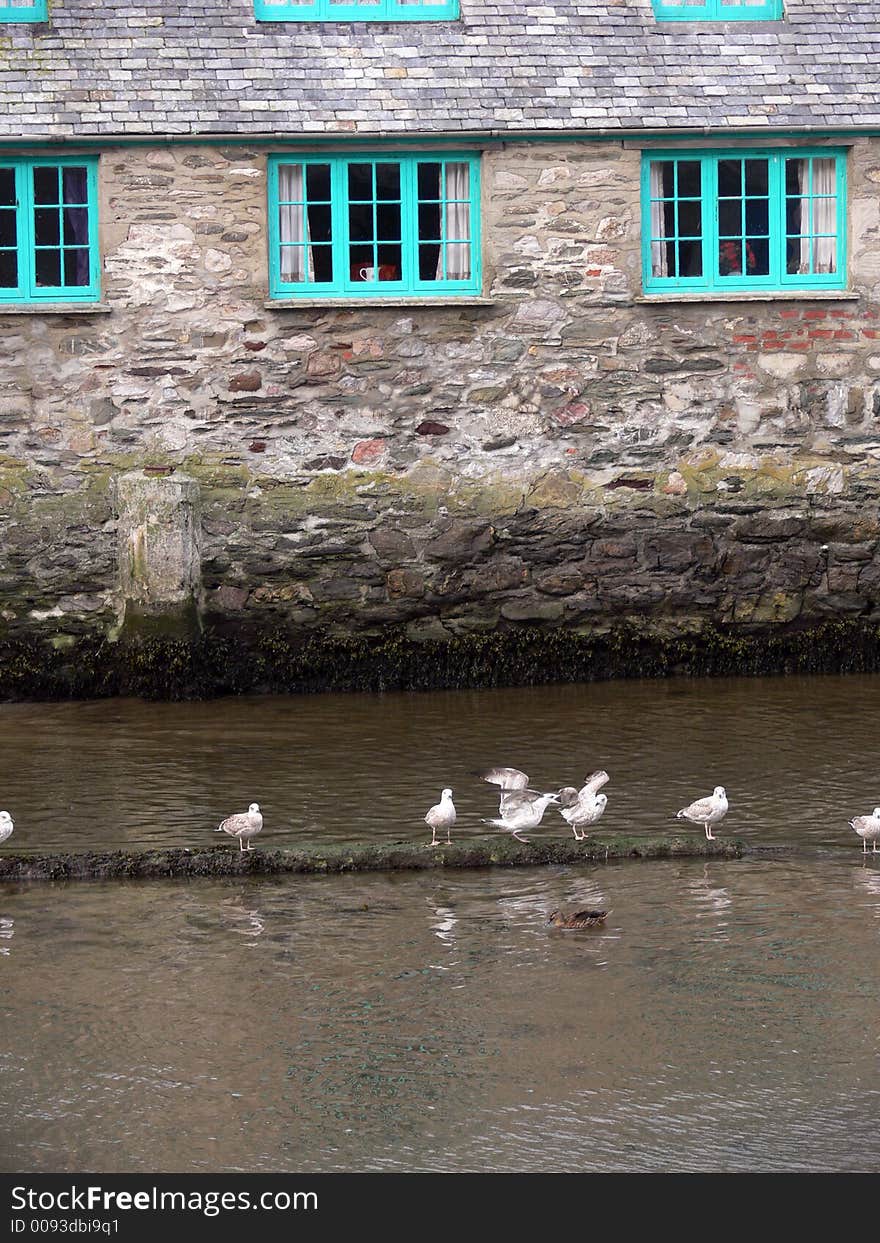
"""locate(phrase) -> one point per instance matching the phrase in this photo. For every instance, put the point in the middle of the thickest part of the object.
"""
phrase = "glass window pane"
(428, 177)
(758, 217)
(47, 227)
(689, 181)
(76, 266)
(388, 222)
(8, 228)
(48, 267)
(429, 222)
(690, 219)
(389, 263)
(46, 184)
(730, 177)
(76, 226)
(757, 176)
(458, 261)
(7, 187)
(388, 181)
(757, 256)
(360, 222)
(318, 183)
(360, 183)
(730, 217)
(690, 259)
(8, 269)
(730, 258)
(429, 257)
(320, 223)
(75, 185)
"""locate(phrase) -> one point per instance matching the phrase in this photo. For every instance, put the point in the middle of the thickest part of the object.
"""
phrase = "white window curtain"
(294, 225)
(822, 250)
(824, 215)
(659, 262)
(456, 224)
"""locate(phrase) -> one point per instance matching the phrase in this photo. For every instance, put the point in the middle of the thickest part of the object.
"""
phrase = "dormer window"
(355, 10)
(717, 10)
(24, 10)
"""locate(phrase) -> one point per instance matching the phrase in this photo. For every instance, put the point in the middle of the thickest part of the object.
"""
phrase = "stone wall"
(561, 454)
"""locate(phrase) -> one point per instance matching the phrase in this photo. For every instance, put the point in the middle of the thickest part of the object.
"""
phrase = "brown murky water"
(723, 1019)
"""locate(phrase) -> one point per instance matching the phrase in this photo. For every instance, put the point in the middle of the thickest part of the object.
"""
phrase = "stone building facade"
(560, 448)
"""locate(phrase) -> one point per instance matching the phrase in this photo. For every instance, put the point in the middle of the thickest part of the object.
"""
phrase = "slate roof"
(191, 67)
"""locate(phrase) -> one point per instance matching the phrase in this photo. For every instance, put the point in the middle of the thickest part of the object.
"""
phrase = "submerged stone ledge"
(378, 857)
(215, 663)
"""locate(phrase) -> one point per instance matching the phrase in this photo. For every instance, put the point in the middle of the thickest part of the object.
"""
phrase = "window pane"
(320, 223)
(428, 262)
(8, 228)
(76, 266)
(690, 219)
(389, 263)
(47, 227)
(7, 187)
(689, 181)
(46, 187)
(757, 176)
(730, 177)
(76, 226)
(429, 222)
(8, 269)
(74, 182)
(757, 256)
(429, 181)
(360, 183)
(360, 222)
(318, 183)
(690, 258)
(48, 266)
(388, 181)
(729, 217)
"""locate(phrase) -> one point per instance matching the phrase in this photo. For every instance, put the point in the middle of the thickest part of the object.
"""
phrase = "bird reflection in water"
(7, 932)
(713, 901)
(247, 921)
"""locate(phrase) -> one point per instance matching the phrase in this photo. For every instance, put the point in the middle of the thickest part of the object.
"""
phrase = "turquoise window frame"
(36, 12)
(777, 280)
(409, 284)
(27, 290)
(716, 11)
(381, 11)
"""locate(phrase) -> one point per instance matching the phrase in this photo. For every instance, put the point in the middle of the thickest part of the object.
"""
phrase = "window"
(363, 226)
(717, 10)
(355, 10)
(48, 230)
(744, 220)
(24, 10)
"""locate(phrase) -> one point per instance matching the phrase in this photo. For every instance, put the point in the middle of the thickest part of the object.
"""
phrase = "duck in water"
(581, 919)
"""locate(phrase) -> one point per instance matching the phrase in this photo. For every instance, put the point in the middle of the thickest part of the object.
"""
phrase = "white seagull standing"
(584, 813)
(522, 810)
(6, 826)
(867, 827)
(243, 826)
(706, 811)
(441, 816)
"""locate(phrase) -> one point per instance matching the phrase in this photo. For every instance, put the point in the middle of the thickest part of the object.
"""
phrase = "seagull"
(511, 781)
(706, 811)
(523, 810)
(584, 812)
(6, 826)
(441, 816)
(243, 826)
(581, 919)
(867, 827)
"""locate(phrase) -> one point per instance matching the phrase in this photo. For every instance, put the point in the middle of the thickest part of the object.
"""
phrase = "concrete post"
(160, 572)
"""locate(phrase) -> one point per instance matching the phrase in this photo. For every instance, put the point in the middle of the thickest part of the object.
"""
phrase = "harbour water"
(721, 1019)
